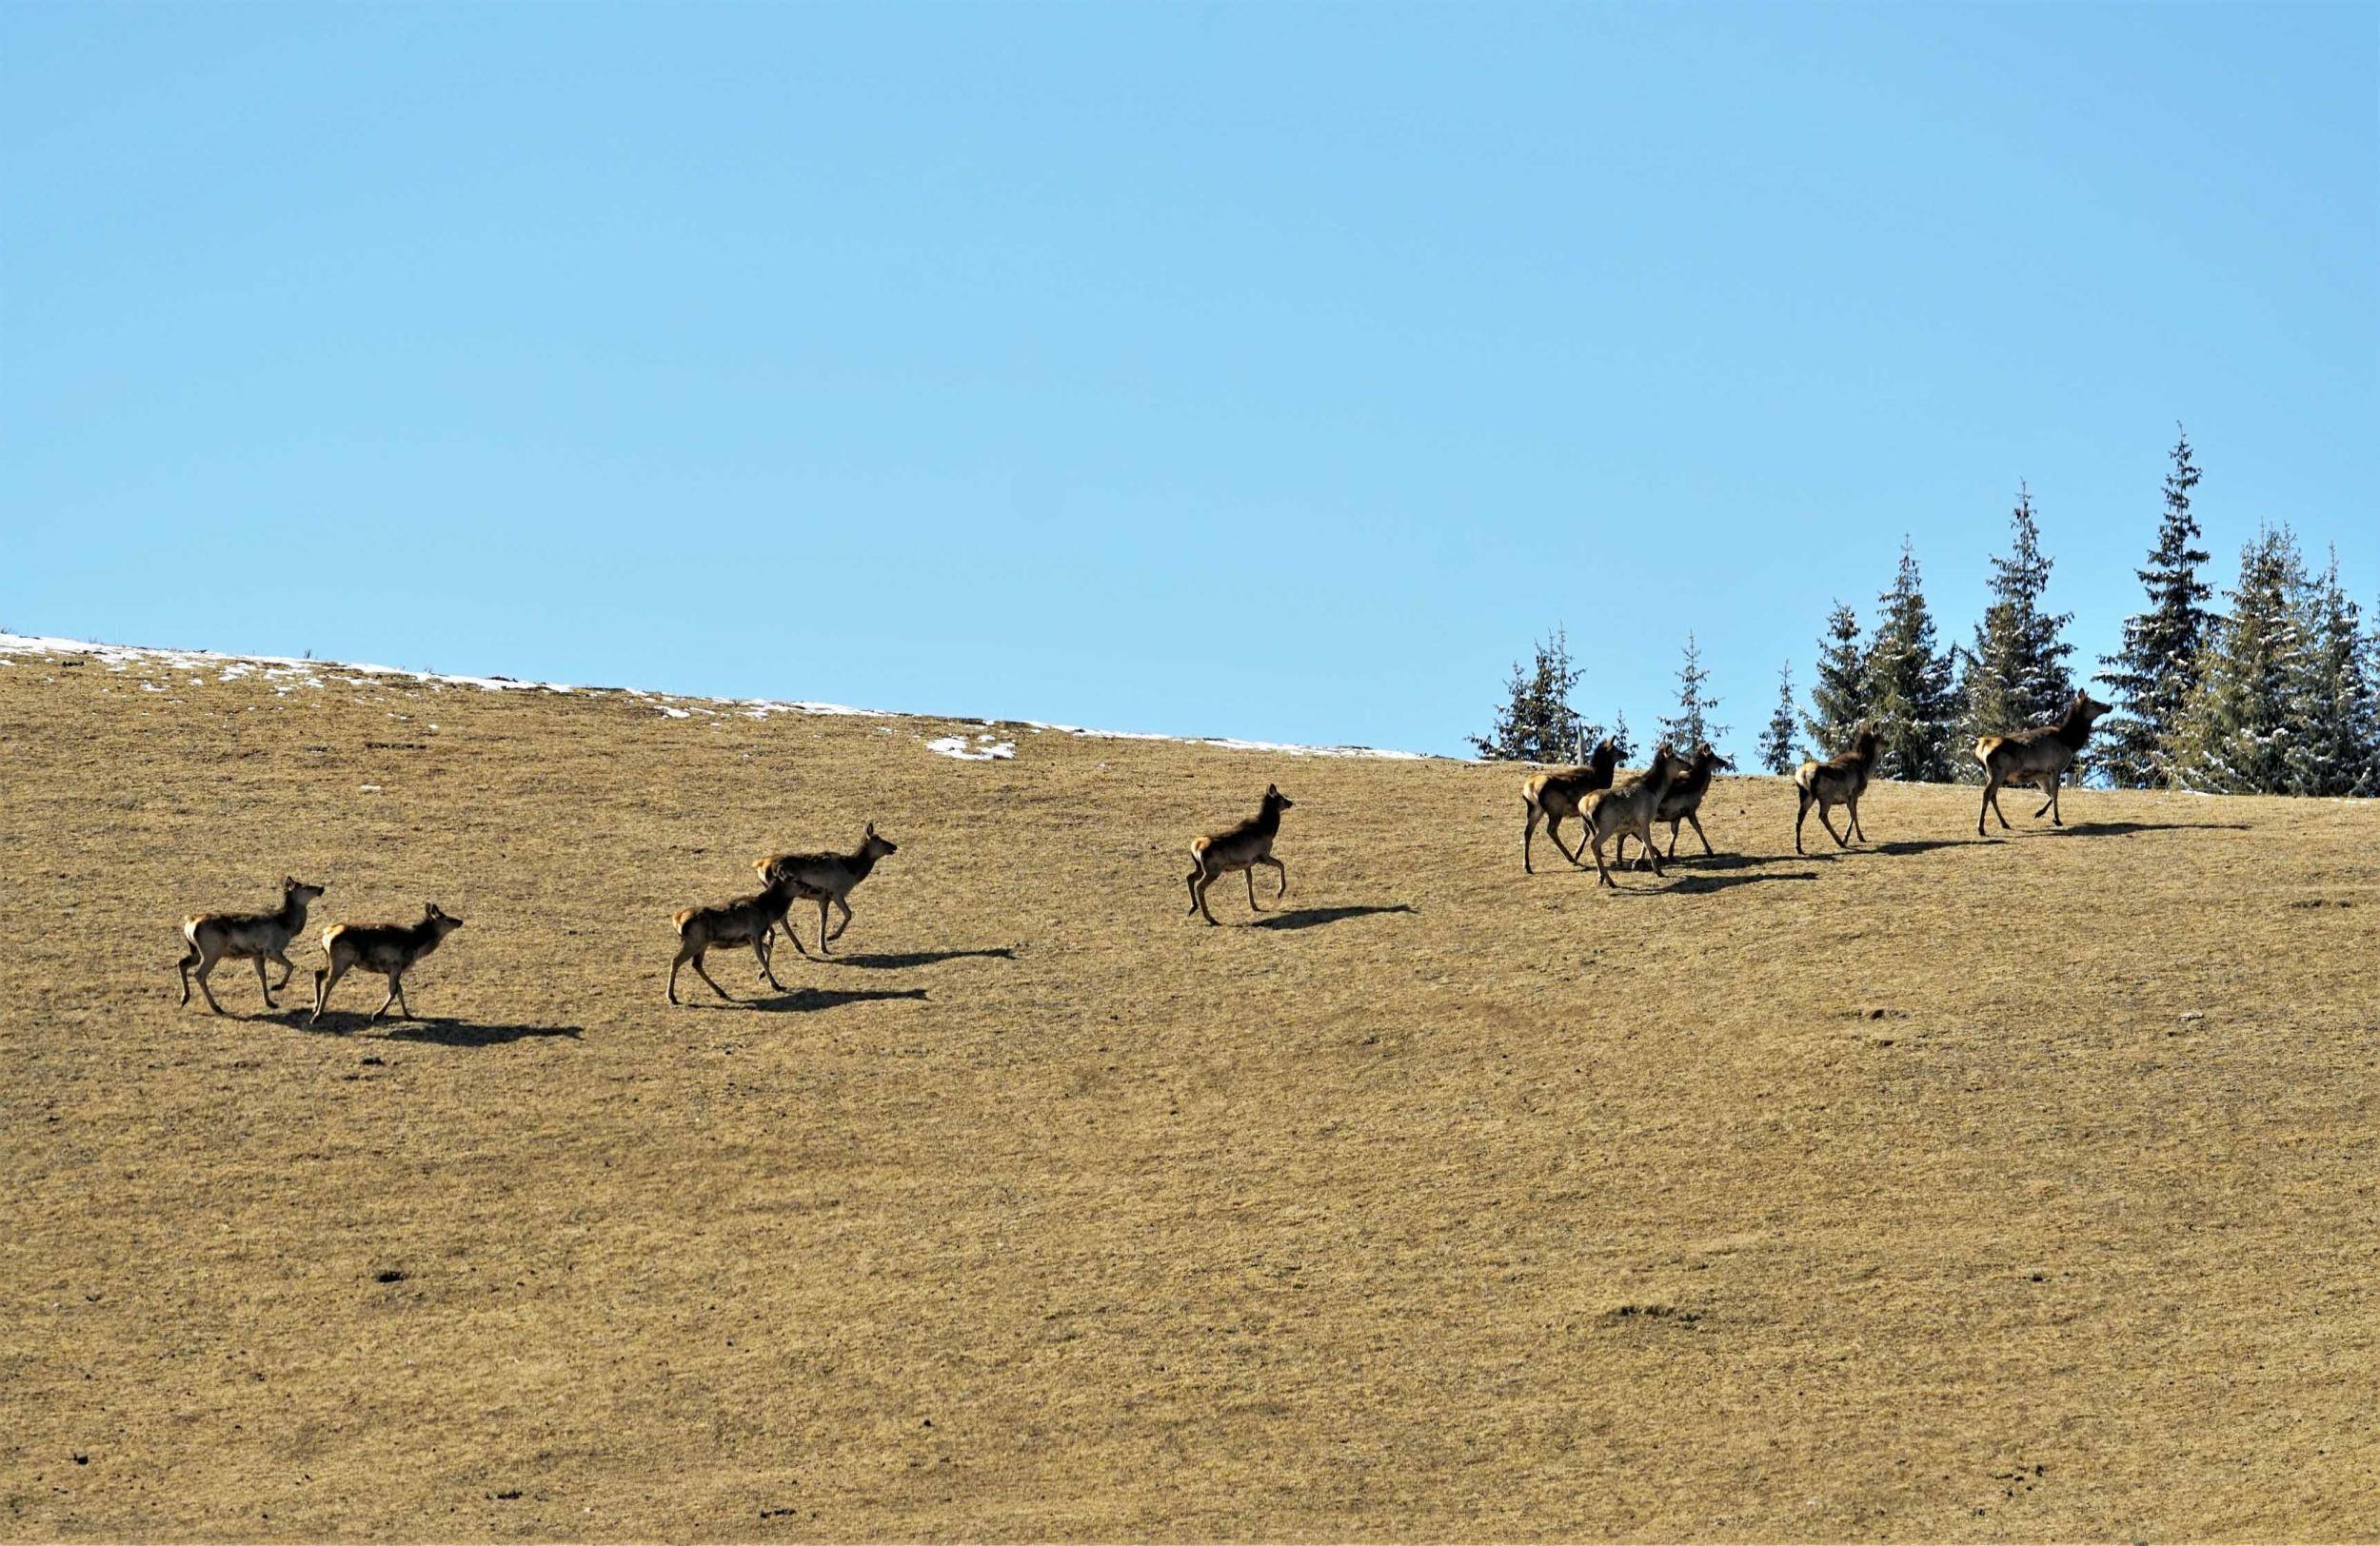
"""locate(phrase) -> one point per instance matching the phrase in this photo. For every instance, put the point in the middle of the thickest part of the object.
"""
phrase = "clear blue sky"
(1232, 369)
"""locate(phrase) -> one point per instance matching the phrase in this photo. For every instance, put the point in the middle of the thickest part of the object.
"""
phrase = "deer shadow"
(1310, 918)
(2125, 829)
(903, 960)
(1923, 845)
(446, 1031)
(1696, 885)
(439, 1030)
(1705, 861)
(806, 1000)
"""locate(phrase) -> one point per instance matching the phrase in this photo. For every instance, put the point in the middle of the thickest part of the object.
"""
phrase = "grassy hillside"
(2017, 1188)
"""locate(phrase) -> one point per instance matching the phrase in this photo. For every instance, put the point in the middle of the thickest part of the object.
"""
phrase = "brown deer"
(1683, 803)
(1627, 809)
(824, 879)
(1838, 780)
(1553, 796)
(389, 949)
(745, 920)
(2040, 756)
(1241, 847)
(257, 936)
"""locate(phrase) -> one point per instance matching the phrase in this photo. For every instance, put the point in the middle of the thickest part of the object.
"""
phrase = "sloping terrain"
(2022, 1188)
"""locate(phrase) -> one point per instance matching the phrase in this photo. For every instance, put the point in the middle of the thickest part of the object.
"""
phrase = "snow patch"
(985, 749)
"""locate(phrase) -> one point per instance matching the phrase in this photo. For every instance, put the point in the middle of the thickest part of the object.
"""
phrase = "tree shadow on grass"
(903, 960)
(1309, 918)
(803, 1001)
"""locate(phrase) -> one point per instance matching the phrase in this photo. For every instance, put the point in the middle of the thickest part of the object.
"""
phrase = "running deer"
(2040, 756)
(257, 936)
(387, 949)
(745, 920)
(1241, 847)
(1627, 809)
(1684, 802)
(825, 878)
(1838, 780)
(1555, 796)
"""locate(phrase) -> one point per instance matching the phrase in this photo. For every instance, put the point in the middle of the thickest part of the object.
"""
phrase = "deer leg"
(823, 936)
(1800, 816)
(1602, 875)
(1857, 830)
(287, 970)
(683, 954)
(1652, 850)
(1706, 838)
(760, 948)
(327, 978)
(396, 984)
(1991, 803)
(206, 968)
(1823, 808)
(1249, 874)
(1576, 856)
(1281, 872)
(1194, 889)
(190, 959)
(265, 986)
(1528, 831)
(1672, 841)
(2049, 804)
(843, 907)
(706, 976)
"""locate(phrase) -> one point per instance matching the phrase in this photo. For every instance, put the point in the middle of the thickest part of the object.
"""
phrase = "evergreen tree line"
(2278, 694)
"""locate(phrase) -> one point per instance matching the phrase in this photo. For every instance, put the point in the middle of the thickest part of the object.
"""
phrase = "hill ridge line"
(291, 673)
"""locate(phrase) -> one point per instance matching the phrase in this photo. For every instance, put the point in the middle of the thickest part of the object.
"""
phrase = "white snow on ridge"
(288, 673)
(984, 750)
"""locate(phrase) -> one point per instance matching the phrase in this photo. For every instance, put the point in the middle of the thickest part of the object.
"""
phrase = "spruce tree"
(1840, 693)
(1691, 725)
(2015, 676)
(2236, 730)
(2333, 750)
(1621, 742)
(1908, 682)
(1779, 752)
(1535, 723)
(2150, 675)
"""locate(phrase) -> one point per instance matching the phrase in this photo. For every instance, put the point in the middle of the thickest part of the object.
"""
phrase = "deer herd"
(1609, 811)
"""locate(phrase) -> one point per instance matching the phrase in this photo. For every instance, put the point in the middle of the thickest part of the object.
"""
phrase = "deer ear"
(871, 829)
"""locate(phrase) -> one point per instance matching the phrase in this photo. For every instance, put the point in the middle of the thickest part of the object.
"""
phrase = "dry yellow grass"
(1951, 1189)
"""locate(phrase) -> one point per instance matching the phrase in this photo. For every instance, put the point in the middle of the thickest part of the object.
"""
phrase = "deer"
(1838, 780)
(389, 949)
(1241, 847)
(1628, 809)
(1683, 803)
(2040, 756)
(824, 879)
(257, 936)
(751, 920)
(1553, 796)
